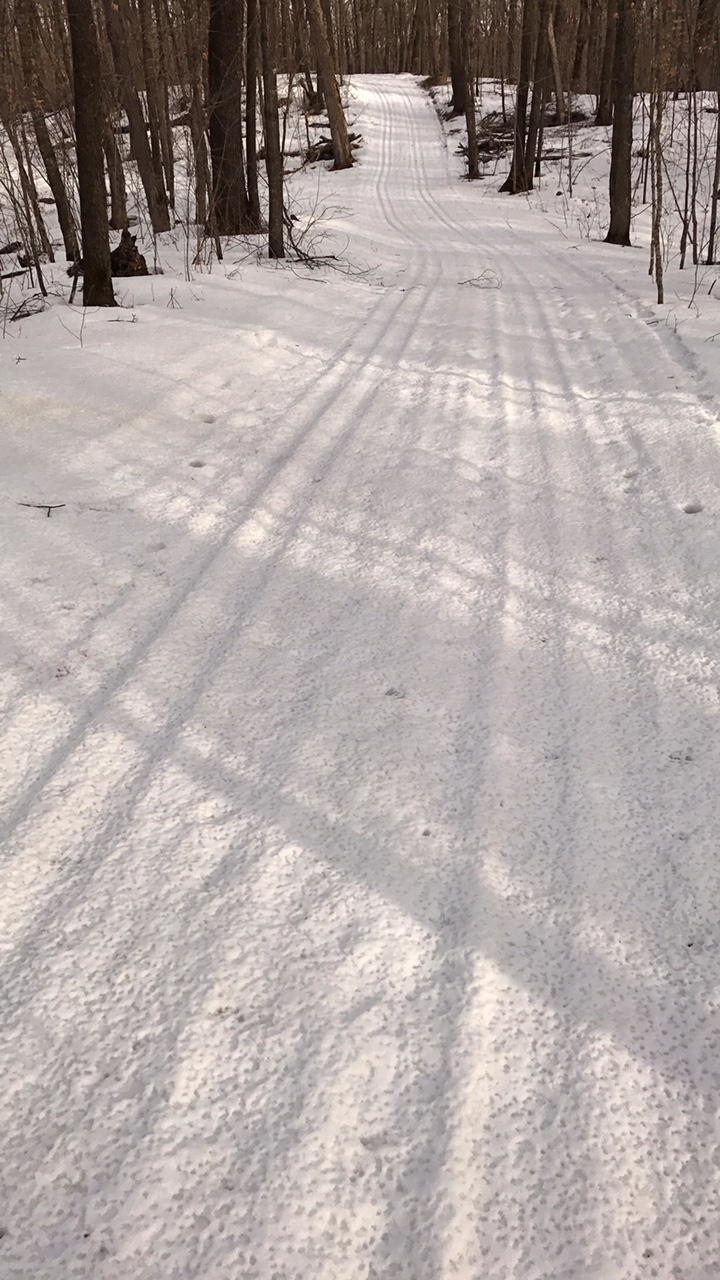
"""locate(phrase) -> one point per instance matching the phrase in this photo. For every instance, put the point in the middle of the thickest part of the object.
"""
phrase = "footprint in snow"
(692, 508)
(204, 417)
(196, 462)
(156, 546)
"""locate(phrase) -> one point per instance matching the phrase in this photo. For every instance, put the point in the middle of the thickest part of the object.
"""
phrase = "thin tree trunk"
(155, 193)
(458, 58)
(326, 73)
(581, 43)
(516, 179)
(715, 198)
(622, 134)
(273, 155)
(560, 110)
(150, 54)
(604, 111)
(26, 20)
(200, 155)
(225, 65)
(539, 94)
(473, 157)
(57, 186)
(655, 143)
(164, 45)
(88, 92)
(251, 75)
(35, 223)
(116, 177)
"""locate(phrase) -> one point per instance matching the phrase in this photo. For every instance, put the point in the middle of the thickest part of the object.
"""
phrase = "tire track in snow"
(613, 761)
(353, 382)
(563, 481)
(422, 1087)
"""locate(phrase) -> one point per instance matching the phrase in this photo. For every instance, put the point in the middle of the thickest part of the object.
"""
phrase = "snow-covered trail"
(360, 902)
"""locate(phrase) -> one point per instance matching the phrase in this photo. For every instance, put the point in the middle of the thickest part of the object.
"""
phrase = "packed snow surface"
(360, 895)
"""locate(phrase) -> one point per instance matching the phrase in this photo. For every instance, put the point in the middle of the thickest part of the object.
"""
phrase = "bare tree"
(342, 149)
(231, 207)
(517, 178)
(150, 173)
(87, 92)
(621, 152)
(273, 154)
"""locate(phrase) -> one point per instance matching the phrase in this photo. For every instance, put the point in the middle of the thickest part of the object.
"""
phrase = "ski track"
(360, 918)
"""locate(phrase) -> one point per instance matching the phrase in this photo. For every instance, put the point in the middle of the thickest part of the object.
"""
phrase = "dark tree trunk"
(705, 52)
(622, 134)
(164, 45)
(27, 29)
(116, 177)
(155, 193)
(231, 210)
(251, 75)
(516, 178)
(88, 92)
(581, 43)
(202, 168)
(57, 186)
(715, 197)
(155, 92)
(328, 82)
(540, 93)
(466, 51)
(604, 113)
(553, 28)
(458, 58)
(273, 155)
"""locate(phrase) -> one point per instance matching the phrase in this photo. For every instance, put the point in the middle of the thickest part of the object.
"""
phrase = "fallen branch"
(43, 506)
(486, 280)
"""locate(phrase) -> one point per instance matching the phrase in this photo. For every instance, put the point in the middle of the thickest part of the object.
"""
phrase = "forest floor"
(361, 892)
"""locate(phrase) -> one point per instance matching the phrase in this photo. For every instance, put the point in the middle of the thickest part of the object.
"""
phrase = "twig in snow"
(486, 280)
(43, 506)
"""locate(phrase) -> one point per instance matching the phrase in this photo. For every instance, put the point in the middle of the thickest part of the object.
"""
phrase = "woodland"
(359, 646)
(94, 93)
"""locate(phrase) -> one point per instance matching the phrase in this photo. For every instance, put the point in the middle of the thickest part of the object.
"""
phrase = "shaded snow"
(360, 711)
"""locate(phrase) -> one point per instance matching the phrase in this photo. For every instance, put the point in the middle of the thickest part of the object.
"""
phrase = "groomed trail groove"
(359, 917)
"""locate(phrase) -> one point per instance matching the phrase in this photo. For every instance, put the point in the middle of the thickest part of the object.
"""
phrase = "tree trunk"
(26, 20)
(88, 92)
(539, 94)
(516, 178)
(604, 113)
(155, 193)
(116, 176)
(458, 58)
(251, 75)
(163, 46)
(231, 210)
(326, 74)
(581, 43)
(57, 186)
(200, 156)
(705, 51)
(273, 154)
(622, 134)
(560, 110)
(154, 93)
